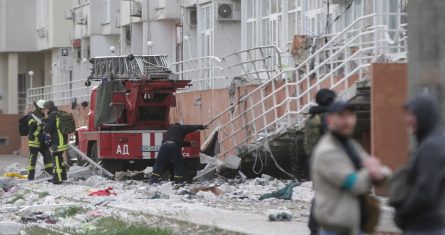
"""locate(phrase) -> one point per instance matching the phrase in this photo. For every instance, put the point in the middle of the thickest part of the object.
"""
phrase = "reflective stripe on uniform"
(58, 170)
(48, 165)
(30, 166)
(61, 146)
(35, 142)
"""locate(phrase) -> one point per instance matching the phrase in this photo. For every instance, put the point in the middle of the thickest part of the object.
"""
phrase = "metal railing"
(61, 94)
(204, 72)
(283, 100)
(256, 64)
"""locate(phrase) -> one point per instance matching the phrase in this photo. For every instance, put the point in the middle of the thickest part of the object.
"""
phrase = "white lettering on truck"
(122, 150)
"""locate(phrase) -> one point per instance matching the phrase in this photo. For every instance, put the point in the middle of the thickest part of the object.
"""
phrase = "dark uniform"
(36, 144)
(315, 127)
(59, 144)
(171, 151)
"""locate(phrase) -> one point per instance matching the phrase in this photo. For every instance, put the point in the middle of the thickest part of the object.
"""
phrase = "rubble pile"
(86, 198)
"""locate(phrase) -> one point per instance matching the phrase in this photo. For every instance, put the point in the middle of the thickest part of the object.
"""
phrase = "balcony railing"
(61, 94)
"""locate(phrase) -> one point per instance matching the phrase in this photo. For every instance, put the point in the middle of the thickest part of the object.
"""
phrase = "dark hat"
(339, 106)
(49, 104)
(325, 97)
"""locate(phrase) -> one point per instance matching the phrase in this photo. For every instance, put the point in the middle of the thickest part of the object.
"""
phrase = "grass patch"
(68, 212)
(42, 194)
(116, 226)
(17, 197)
(35, 230)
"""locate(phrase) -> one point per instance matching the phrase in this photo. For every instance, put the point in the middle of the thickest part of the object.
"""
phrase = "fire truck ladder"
(131, 67)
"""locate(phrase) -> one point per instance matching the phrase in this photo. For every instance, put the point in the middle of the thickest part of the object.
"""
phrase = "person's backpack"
(23, 125)
(67, 123)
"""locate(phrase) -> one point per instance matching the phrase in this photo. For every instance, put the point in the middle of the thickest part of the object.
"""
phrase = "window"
(291, 25)
(42, 7)
(275, 6)
(266, 7)
(107, 15)
(251, 9)
(291, 4)
(251, 31)
(206, 28)
(251, 35)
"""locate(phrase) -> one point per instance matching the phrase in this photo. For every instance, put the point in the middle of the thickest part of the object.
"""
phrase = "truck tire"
(92, 153)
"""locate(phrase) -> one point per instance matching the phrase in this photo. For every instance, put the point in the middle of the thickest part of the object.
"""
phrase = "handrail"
(258, 120)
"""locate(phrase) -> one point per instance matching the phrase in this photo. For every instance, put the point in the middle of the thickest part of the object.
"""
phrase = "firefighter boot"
(154, 179)
(32, 162)
(64, 170)
(31, 174)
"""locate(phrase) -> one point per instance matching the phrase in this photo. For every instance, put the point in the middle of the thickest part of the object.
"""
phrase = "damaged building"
(254, 66)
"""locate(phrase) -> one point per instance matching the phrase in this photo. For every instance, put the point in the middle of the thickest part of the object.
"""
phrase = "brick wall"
(9, 135)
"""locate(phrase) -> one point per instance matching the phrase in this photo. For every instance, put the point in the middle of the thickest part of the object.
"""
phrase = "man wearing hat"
(59, 141)
(342, 174)
(36, 141)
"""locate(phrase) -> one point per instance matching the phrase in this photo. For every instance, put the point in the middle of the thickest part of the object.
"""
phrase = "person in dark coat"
(59, 141)
(423, 209)
(171, 151)
(314, 128)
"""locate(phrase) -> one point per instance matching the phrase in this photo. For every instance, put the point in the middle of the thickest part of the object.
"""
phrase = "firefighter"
(171, 152)
(36, 141)
(59, 141)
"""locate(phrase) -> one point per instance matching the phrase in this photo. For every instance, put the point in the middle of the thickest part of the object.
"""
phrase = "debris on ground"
(127, 175)
(275, 215)
(213, 189)
(283, 193)
(69, 208)
(15, 175)
(95, 181)
(103, 192)
(303, 193)
(38, 217)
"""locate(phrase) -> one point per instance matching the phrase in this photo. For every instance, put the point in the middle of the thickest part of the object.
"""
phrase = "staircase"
(265, 126)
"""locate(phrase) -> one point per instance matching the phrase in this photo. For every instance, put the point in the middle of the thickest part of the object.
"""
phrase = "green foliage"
(68, 212)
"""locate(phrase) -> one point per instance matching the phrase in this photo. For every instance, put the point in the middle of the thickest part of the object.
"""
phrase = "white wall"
(17, 20)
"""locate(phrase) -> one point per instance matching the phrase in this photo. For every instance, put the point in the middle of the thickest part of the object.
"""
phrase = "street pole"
(30, 73)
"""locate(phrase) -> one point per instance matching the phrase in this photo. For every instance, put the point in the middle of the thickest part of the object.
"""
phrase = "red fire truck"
(129, 112)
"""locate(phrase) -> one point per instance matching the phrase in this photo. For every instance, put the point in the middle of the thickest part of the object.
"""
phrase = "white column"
(13, 71)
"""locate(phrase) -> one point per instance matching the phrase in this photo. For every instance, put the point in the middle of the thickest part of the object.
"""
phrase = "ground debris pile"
(85, 204)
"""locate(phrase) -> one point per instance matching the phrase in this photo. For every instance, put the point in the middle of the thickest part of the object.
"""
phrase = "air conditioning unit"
(193, 16)
(81, 18)
(136, 9)
(42, 32)
(68, 14)
(228, 11)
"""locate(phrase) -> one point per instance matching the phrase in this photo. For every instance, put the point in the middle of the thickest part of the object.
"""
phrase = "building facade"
(34, 49)
(265, 58)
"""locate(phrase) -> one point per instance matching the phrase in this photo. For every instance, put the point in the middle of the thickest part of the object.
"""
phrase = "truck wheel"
(93, 152)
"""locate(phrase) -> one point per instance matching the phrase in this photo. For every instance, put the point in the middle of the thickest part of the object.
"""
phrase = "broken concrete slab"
(213, 189)
(276, 215)
(10, 228)
(95, 181)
